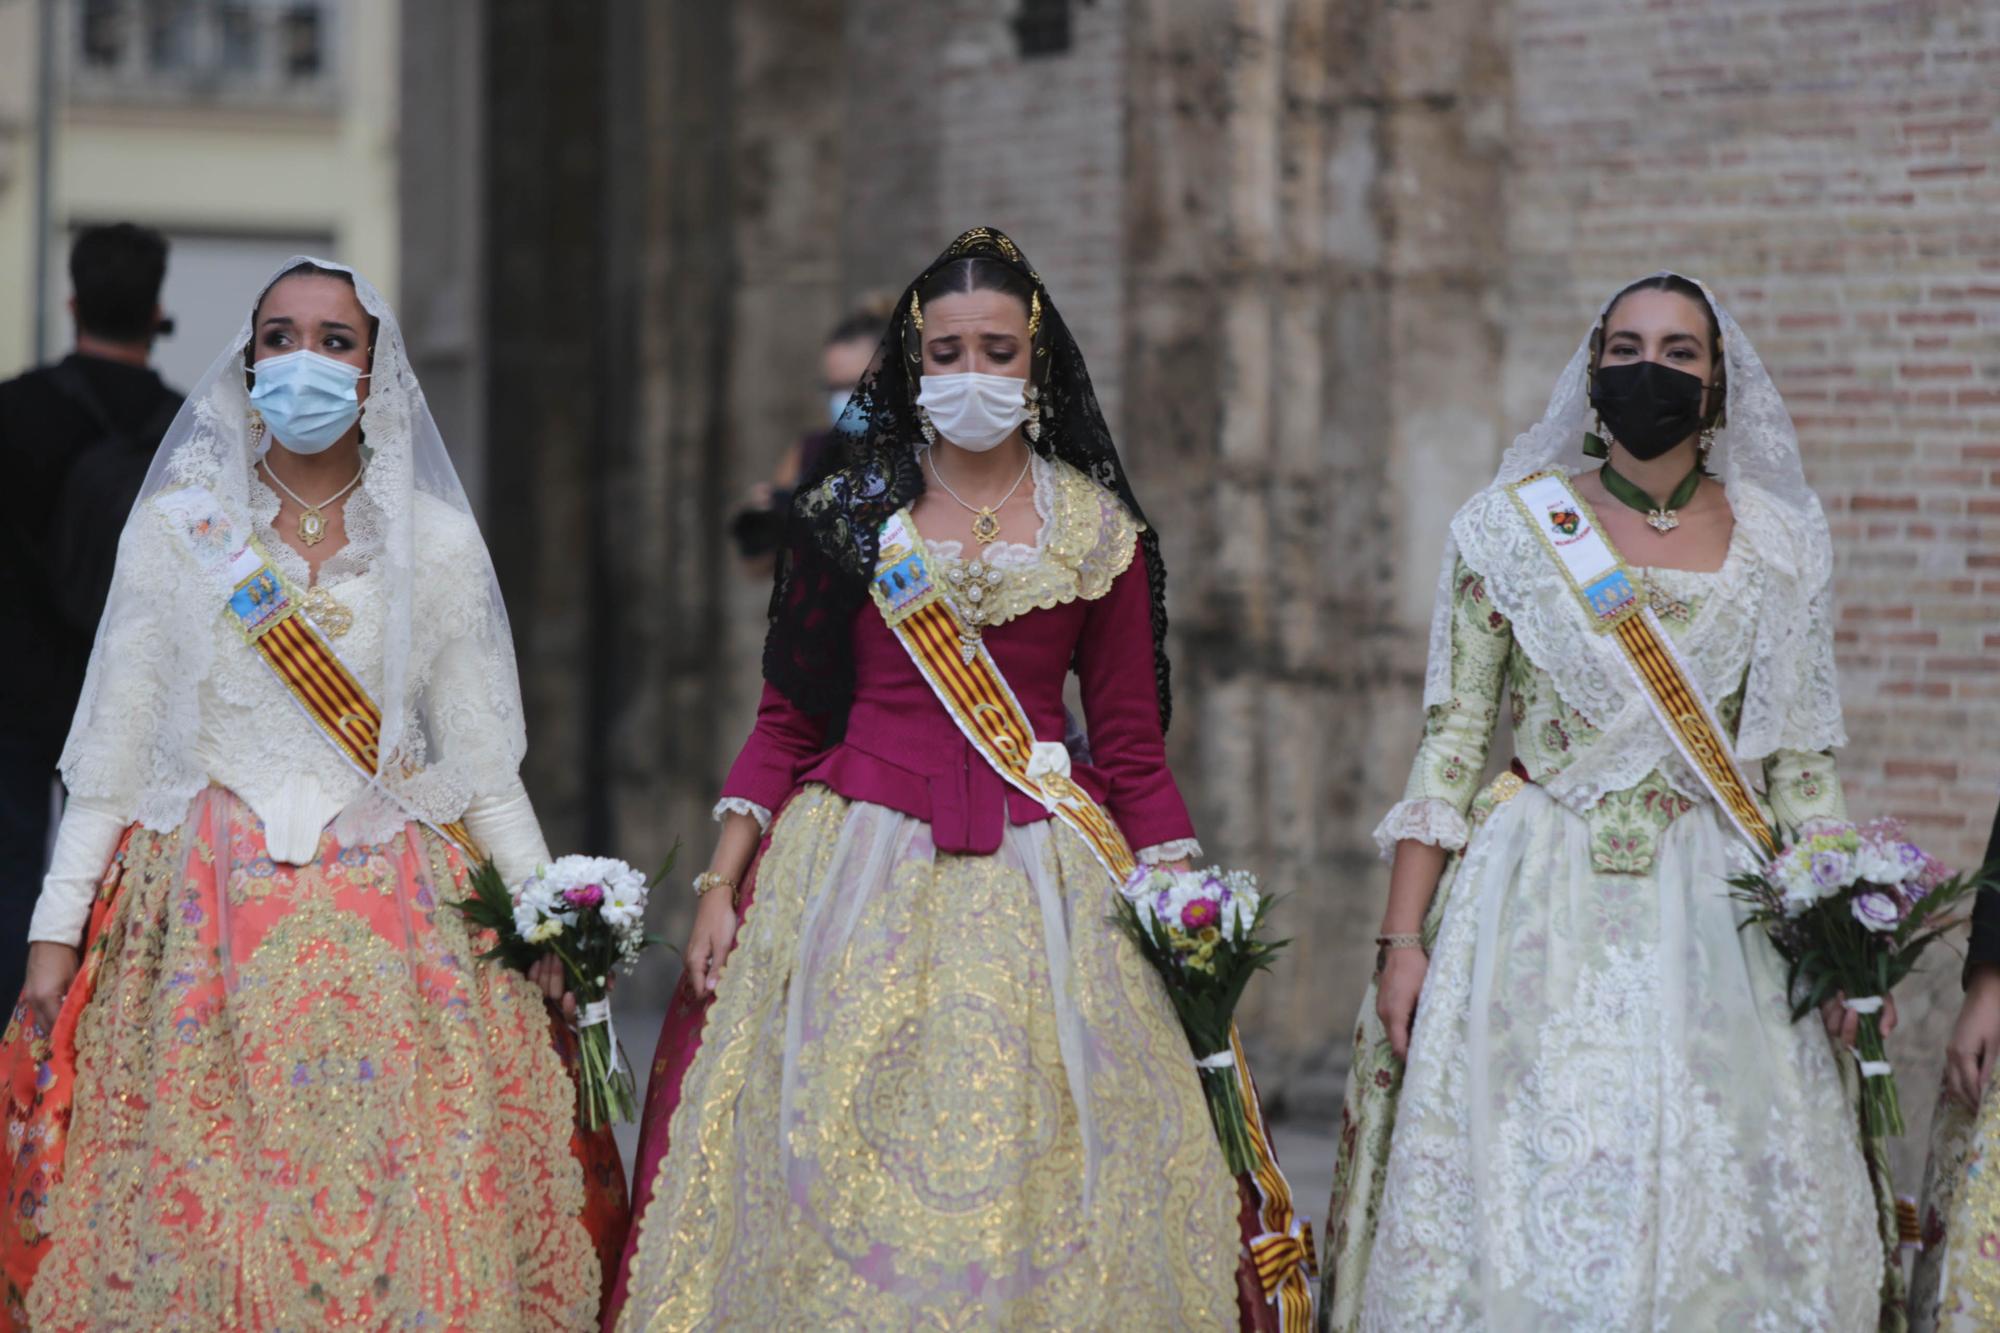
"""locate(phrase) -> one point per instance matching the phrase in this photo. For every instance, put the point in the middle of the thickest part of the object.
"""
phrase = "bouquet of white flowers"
(590, 912)
(1198, 928)
(1852, 908)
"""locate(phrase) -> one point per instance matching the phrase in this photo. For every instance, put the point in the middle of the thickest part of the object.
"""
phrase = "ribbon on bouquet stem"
(598, 1014)
(1870, 1004)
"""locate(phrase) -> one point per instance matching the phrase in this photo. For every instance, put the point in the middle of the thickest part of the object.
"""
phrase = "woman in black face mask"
(1578, 1099)
(1657, 388)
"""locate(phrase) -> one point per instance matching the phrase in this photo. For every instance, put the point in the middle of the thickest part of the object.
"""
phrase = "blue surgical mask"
(308, 401)
(836, 404)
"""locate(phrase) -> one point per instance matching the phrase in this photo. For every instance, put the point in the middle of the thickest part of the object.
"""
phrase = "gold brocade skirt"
(936, 1091)
(289, 1097)
(1956, 1285)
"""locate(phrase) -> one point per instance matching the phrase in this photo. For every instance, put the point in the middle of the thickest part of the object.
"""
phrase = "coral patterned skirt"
(290, 1096)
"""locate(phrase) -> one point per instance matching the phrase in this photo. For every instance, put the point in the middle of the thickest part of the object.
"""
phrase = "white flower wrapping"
(549, 905)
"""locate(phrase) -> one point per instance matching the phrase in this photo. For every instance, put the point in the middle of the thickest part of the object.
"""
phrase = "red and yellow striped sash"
(264, 609)
(322, 685)
(979, 701)
(1609, 600)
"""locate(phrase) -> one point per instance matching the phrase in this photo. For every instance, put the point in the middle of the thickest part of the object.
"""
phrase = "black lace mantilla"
(872, 472)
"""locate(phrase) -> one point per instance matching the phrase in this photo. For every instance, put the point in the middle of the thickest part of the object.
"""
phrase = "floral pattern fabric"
(290, 1097)
(935, 1091)
(1956, 1285)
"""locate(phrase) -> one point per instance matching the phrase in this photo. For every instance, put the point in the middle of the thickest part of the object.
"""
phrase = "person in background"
(1956, 1282)
(88, 423)
(845, 357)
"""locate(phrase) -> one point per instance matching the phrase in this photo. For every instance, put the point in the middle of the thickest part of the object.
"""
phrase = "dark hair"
(869, 319)
(974, 274)
(303, 268)
(1679, 286)
(115, 274)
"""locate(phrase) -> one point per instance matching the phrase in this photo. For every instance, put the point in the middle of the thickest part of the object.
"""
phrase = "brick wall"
(1833, 171)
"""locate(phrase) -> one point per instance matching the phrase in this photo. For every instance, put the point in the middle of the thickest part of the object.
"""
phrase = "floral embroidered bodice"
(1711, 619)
(1086, 540)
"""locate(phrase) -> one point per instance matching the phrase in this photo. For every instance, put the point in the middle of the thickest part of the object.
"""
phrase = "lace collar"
(364, 537)
(1086, 540)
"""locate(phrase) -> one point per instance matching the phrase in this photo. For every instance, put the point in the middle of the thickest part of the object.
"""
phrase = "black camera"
(759, 532)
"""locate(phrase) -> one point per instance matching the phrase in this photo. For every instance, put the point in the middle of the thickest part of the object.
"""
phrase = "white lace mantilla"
(1792, 702)
(1753, 623)
(174, 699)
(252, 737)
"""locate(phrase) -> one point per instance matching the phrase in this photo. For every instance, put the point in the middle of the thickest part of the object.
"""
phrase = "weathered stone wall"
(1298, 270)
(1326, 257)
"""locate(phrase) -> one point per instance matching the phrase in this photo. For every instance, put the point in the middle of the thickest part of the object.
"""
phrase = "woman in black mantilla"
(936, 1086)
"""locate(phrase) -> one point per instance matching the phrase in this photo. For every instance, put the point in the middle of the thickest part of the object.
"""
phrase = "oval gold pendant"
(312, 527)
(986, 527)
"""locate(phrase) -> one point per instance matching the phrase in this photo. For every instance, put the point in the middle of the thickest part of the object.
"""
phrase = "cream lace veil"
(139, 726)
(1791, 701)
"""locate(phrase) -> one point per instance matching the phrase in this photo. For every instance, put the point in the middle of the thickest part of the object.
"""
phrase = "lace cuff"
(736, 805)
(1181, 849)
(1430, 820)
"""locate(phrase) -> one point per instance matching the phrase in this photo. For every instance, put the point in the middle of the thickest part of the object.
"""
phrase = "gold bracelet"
(1384, 943)
(708, 880)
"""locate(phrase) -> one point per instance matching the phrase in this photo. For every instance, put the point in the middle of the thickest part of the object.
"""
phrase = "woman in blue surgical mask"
(258, 1058)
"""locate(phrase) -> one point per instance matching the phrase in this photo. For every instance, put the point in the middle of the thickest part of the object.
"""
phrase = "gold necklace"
(312, 523)
(986, 521)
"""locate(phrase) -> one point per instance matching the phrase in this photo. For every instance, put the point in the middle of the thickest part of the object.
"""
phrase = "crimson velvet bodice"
(903, 751)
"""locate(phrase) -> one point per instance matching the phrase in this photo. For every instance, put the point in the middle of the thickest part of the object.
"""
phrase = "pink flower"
(1201, 914)
(584, 895)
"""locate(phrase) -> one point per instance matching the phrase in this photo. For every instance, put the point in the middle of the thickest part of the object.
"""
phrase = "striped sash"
(273, 624)
(1610, 600)
(979, 701)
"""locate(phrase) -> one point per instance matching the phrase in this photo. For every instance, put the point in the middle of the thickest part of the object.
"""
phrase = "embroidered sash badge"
(260, 602)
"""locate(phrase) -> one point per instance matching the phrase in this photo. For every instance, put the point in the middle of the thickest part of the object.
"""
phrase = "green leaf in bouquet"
(491, 907)
(667, 867)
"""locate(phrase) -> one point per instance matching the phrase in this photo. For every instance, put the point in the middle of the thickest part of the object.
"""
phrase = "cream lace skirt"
(936, 1092)
(1609, 1120)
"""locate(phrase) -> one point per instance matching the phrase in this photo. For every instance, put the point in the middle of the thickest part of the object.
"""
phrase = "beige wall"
(208, 170)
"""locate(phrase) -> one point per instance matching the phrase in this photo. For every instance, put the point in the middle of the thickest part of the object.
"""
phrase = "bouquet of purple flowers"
(1199, 930)
(1852, 908)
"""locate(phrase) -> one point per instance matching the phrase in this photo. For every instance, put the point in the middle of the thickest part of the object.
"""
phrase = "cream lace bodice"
(1577, 729)
(254, 738)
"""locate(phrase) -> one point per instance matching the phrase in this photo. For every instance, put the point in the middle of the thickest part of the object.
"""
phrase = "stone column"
(1308, 360)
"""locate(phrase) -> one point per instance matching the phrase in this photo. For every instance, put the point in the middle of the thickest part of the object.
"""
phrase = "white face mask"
(975, 412)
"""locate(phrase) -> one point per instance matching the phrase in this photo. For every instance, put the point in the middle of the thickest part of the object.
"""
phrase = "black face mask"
(1648, 407)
